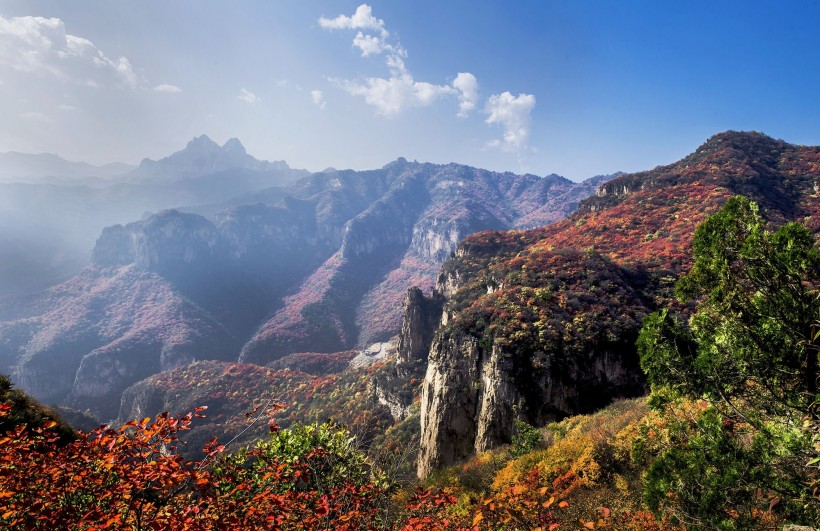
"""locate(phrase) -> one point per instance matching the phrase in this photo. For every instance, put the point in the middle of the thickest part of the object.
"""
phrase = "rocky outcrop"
(420, 318)
(478, 382)
(143, 399)
(449, 402)
(166, 243)
(395, 386)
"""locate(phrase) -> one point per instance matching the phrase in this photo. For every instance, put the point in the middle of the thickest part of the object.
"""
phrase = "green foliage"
(750, 350)
(526, 438)
(761, 298)
(326, 449)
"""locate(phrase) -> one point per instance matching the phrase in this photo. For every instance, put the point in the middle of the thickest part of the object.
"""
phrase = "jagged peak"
(201, 141)
(233, 144)
(398, 163)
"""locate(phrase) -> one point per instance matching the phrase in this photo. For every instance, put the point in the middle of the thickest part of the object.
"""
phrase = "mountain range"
(319, 262)
(52, 211)
(522, 325)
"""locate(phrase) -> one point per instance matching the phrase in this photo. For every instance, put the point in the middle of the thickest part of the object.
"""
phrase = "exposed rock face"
(166, 242)
(473, 392)
(394, 386)
(141, 400)
(541, 324)
(400, 240)
(420, 318)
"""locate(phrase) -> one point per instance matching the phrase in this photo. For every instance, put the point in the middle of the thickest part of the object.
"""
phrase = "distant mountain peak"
(398, 163)
(234, 145)
(201, 141)
(202, 156)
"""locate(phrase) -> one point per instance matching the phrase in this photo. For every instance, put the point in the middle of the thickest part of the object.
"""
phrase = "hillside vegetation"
(729, 438)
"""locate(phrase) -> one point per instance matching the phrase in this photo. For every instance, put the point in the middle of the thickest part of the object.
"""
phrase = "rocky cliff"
(396, 384)
(541, 324)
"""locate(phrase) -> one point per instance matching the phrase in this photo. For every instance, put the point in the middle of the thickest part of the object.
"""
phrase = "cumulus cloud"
(318, 98)
(247, 96)
(391, 95)
(467, 85)
(41, 46)
(362, 19)
(369, 44)
(512, 113)
(168, 89)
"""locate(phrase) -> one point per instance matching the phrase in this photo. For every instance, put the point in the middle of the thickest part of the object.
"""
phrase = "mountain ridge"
(367, 233)
(534, 317)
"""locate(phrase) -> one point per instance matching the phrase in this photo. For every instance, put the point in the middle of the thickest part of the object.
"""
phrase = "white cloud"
(369, 45)
(168, 89)
(512, 113)
(248, 97)
(393, 94)
(36, 117)
(467, 85)
(318, 98)
(362, 19)
(41, 46)
(68, 108)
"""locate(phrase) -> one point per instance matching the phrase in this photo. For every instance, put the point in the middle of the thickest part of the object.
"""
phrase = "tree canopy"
(750, 349)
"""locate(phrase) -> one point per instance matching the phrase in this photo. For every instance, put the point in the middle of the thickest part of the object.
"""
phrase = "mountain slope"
(81, 351)
(322, 271)
(541, 324)
(400, 240)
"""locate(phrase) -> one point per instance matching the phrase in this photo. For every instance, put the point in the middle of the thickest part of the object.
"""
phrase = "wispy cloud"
(42, 46)
(512, 113)
(36, 117)
(248, 97)
(318, 98)
(167, 89)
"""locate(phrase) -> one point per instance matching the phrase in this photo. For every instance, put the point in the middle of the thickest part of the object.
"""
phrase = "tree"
(749, 349)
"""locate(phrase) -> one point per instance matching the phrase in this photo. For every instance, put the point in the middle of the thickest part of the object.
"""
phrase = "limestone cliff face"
(141, 400)
(490, 363)
(394, 386)
(420, 318)
(165, 242)
(449, 402)
(473, 392)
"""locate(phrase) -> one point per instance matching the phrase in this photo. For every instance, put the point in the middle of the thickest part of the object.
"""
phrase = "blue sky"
(576, 88)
